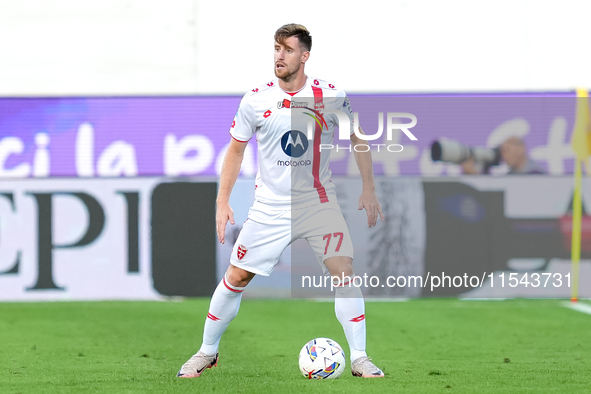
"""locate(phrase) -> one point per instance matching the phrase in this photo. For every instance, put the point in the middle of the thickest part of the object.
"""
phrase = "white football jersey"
(290, 129)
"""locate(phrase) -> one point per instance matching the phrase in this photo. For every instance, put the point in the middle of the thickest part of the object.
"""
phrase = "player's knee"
(346, 272)
(238, 277)
(339, 266)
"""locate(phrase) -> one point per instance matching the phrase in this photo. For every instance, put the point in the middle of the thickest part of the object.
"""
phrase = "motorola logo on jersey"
(294, 143)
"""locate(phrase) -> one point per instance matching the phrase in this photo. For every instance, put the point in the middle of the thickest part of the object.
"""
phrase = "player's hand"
(224, 213)
(469, 167)
(369, 201)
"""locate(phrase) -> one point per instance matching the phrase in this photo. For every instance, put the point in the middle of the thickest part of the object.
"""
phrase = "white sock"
(223, 308)
(350, 310)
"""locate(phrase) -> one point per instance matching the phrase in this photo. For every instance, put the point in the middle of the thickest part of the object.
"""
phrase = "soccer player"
(294, 196)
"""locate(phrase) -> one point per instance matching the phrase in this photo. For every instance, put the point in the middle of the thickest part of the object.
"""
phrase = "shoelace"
(195, 359)
(368, 366)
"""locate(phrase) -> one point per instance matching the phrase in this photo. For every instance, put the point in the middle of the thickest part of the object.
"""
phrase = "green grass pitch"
(427, 345)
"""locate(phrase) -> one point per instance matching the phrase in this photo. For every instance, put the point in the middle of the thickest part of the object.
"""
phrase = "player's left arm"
(368, 199)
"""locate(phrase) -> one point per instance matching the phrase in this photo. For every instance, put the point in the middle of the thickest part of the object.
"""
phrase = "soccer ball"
(322, 358)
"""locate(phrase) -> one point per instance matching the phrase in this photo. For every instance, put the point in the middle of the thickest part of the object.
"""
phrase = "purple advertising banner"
(176, 136)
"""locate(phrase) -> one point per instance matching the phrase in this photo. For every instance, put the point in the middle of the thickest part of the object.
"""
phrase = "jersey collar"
(296, 92)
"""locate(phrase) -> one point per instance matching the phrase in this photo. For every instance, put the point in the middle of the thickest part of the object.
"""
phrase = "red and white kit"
(294, 197)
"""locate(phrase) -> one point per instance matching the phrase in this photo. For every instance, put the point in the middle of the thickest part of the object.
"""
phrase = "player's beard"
(289, 74)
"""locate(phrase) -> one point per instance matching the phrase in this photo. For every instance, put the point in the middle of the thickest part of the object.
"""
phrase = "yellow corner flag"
(581, 136)
(581, 143)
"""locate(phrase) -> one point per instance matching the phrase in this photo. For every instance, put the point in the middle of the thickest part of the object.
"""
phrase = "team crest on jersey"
(241, 252)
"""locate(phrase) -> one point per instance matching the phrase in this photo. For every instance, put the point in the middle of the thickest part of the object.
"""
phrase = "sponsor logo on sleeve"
(347, 106)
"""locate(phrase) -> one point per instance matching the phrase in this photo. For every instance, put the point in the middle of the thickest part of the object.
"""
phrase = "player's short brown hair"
(294, 30)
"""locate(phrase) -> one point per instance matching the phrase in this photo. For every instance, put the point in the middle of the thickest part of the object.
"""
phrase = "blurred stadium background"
(113, 128)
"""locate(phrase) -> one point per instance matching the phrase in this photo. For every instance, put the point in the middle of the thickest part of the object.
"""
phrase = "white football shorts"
(267, 232)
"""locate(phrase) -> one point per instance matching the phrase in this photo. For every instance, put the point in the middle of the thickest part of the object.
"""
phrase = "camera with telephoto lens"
(452, 151)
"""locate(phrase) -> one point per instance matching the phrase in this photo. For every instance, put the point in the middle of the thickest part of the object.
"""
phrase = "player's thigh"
(335, 247)
(260, 243)
(330, 239)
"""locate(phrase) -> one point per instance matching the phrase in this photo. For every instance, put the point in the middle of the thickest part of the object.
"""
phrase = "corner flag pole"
(581, 144)
(576, 232)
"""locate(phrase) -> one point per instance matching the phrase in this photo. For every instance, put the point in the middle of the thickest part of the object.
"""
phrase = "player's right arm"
(243, 128)
(230, 171)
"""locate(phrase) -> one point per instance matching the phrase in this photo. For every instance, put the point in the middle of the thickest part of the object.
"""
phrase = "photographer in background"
(514, 153)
